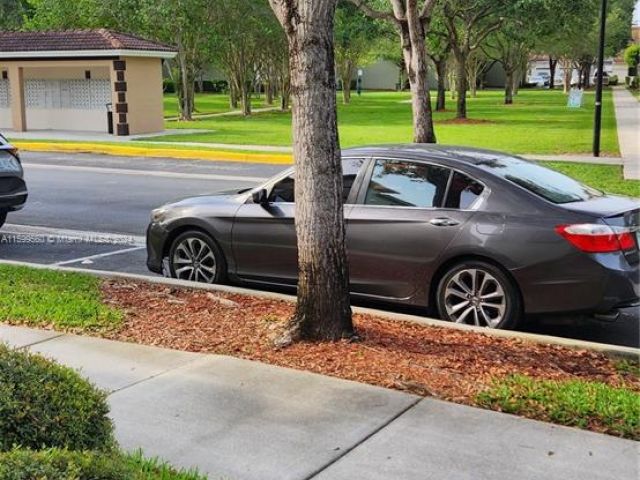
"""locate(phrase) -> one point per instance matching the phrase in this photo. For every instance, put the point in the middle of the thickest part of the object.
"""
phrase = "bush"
(632, 56)
(613, 80)
(54, 464)
(168, 86)
(43, 405)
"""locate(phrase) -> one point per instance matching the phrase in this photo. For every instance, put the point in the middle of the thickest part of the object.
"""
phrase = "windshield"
(542, 181)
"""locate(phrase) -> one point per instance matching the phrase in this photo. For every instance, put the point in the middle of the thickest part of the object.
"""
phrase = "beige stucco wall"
(144, 95)
(144, 100)
(6, 122)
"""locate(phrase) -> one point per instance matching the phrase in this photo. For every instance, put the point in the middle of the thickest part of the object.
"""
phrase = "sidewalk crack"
(317, 472)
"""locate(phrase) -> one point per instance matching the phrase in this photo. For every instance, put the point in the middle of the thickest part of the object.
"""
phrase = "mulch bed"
(429, 361)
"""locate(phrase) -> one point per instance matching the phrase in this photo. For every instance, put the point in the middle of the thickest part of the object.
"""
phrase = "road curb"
(614, 351)
(160, 152)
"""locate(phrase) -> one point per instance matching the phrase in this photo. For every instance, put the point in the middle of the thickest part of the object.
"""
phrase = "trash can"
(109, 118)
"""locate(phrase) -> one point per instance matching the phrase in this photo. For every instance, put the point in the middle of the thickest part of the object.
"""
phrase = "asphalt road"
(91, 211)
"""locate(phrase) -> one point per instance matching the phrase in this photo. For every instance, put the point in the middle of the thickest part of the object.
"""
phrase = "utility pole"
(597, 121)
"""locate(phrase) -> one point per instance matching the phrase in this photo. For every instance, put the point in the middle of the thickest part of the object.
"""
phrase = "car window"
(544, 182)
(283, 191)
(463, 191)
(406, 184)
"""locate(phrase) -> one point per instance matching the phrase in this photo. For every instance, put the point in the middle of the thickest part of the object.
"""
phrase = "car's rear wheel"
(196, 257)
(479, 293)
(3, 217)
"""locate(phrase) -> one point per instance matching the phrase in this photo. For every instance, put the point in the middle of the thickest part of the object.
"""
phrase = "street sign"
(575, 98)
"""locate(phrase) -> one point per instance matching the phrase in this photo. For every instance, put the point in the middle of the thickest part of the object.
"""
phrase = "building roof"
(79, 43)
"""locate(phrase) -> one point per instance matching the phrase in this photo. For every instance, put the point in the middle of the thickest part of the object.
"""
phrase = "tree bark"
(415, 57)
(461, 85)
(245, 99)
(441, 71)
(346, 90)
(323, 310)
(268, 90)
(508, 87)
(553, 62)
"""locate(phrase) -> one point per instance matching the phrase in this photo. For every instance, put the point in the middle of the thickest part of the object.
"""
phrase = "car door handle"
(443, 222)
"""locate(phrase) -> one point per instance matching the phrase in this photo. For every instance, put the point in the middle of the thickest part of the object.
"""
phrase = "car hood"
(607, 206)
(222, 198)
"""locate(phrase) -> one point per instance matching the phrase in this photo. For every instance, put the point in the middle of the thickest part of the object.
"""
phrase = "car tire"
(3, 217)
(479, 293)
(195, 256)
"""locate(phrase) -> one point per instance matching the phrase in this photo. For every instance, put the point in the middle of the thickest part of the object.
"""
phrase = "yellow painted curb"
(131, 151)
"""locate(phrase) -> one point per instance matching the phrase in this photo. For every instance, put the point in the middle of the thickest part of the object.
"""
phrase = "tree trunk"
(245, 97)
(441, 71)
(346, 90)
(323, 310)
(508, 87)
(233, 96)
(461, 85)
(268, 90)
(415, 58)
(567, 74)
(553, 62)
(185, 94)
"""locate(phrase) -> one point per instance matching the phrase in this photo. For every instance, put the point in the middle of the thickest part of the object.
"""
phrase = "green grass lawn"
(574, 403)
(538, 122)
(607, 178)
(66, 301)
(205, 103)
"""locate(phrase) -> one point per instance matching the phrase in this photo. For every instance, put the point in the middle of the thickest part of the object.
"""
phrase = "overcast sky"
(636, 14)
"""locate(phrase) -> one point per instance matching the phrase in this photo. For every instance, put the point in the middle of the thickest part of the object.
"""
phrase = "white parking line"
(145, 173)
(90, 258)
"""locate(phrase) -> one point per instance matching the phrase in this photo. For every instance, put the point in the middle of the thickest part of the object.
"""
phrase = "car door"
(406, 214)
(264, 237)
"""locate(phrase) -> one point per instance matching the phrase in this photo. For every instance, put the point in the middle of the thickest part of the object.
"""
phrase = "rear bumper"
(156, 238)
(591, 284)
(13, 193)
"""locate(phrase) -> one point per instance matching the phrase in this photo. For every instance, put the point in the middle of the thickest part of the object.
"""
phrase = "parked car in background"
(480, 237)
(13, 190)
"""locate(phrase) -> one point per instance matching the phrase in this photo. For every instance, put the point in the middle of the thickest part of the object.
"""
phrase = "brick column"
(120, 107)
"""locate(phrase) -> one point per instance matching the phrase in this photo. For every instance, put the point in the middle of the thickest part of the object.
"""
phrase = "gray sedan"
(479, 237)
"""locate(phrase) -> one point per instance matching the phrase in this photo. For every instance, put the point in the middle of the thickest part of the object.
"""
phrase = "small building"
(70, 80)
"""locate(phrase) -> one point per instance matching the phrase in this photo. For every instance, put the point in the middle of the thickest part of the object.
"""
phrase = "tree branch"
(372, 12)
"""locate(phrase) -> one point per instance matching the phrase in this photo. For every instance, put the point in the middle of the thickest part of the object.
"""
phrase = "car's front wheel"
(481, 294)
(196, 257)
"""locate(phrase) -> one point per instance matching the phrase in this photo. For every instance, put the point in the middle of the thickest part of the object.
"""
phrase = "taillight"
(596, 238)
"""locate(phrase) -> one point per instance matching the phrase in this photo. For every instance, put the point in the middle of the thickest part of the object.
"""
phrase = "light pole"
(597, 121)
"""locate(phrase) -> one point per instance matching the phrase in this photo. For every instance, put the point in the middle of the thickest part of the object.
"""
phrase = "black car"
(482, 237)
(13, 190)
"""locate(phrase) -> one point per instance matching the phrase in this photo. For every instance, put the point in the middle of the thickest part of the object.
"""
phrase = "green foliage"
(575, 403)
(632, 55)
(12, 13)
(385, 117)
(607, 178)
(54, 464)
(63, 300)
(43, 404)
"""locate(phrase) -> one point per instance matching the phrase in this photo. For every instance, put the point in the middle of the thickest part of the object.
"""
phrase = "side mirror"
(260, 197)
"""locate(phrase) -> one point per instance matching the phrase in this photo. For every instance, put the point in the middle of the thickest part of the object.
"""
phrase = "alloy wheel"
(474, 296)
(194, 260)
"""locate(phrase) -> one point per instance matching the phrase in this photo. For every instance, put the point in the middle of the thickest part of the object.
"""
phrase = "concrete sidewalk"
(628, 119)
(238, 419)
